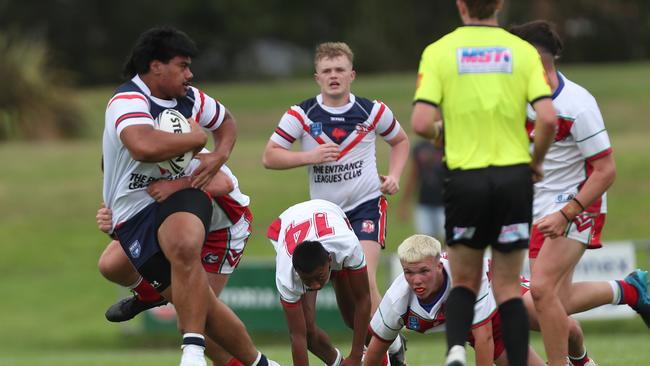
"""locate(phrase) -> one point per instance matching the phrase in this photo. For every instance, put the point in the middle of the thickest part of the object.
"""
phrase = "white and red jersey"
(581, 138)
(228, 209)
(352, 179)
(316, 220)
(125, 179)
(400, 308)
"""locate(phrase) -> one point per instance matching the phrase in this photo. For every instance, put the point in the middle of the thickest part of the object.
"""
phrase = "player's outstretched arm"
(224, 141)
(484, 344)
(297, 333)
(359, 282)
(376, 352)
(278, 157)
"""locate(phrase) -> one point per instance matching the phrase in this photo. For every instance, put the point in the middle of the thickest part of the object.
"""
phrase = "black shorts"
(489, 206)
(138, 235)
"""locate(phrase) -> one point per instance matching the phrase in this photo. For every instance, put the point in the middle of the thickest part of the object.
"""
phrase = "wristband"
(579, 203)
(565, 216)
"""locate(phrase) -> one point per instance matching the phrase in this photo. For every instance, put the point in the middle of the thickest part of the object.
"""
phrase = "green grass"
(52, 297)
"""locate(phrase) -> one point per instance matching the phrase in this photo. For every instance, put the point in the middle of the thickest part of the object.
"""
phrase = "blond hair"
(418, 247)
(332, 50)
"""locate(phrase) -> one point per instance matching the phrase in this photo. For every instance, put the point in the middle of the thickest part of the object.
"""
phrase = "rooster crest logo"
(338, 133)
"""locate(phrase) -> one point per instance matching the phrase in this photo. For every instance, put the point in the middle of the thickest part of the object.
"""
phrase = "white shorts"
(585, 228)
(223, 248)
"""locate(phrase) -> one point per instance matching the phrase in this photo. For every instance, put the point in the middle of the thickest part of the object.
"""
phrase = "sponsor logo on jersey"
(316, 129)
(338, 133)
(337, 119)
(413, 323)
(135, 249)
(368, 226)
(476, 60)
(463, 232)
(361, 128)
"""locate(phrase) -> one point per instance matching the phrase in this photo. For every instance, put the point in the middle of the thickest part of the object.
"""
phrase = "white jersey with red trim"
(316, 220)
(227, 210)
(352, 179)
(400, 308)
(125, 179)
(581, 138)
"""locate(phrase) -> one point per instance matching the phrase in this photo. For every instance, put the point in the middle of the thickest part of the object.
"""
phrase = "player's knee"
(541, 291)
(183, 247)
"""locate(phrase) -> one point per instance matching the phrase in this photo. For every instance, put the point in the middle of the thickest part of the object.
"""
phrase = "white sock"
(395, 346)
(616, 292)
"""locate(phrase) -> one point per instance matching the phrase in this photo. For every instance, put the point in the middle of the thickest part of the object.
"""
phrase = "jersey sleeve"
(128, 109)
(208, 111)
(288, 294)
(387, 321)
(590, 133)
(355, 259)
(428, 87)
(290, 128)
(387, 126)
(538, 86)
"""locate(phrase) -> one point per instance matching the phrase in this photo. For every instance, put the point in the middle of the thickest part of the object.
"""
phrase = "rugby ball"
(172, 121)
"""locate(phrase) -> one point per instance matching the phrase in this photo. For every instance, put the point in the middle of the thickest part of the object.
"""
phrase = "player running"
(230, 229)
(164, 240)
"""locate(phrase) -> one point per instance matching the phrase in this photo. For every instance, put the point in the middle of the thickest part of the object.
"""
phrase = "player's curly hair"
(418, 247)
(309, 255)
(482, 9)
(331, 50)
(541, 34)
(160, 43)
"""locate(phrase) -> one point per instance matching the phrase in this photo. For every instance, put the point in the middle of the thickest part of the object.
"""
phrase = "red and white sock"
(579, 361)
(624, 293)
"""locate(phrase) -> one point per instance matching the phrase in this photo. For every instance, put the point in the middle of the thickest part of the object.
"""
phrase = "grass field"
(52, 298)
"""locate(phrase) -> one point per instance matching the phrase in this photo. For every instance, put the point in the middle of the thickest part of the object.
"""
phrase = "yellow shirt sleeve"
(538, 86)
(428, 87)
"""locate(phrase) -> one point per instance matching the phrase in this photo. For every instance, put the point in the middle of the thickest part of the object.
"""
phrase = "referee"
(480, 78)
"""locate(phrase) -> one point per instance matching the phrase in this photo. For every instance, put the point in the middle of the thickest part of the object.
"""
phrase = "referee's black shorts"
(489, 206)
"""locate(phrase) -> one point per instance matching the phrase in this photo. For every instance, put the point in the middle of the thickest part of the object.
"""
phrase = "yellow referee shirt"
(481, 78)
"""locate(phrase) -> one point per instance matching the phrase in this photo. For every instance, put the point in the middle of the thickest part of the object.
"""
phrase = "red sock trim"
(630, 295)
(145, 292)
(580, 362)
(234, 362)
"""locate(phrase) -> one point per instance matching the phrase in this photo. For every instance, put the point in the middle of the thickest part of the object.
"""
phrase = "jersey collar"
(166, 103)
(560, 79)
(336, 110)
